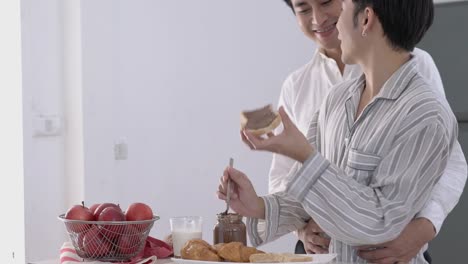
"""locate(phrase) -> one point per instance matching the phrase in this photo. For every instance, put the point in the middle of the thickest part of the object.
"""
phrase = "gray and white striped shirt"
(372, 175)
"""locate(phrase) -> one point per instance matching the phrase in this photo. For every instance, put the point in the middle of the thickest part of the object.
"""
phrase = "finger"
(316, 249)
(287, 123)
(221, 196)
(240, 179)
(256, 142)
(319, 241)
(246, 140)
(373, 247)
(373, 255)
(223, 180)
(221, 184)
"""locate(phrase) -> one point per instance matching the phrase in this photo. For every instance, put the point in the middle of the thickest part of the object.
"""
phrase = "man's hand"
(312, 236)
(402, 249)
(243, 198)
(290, 142)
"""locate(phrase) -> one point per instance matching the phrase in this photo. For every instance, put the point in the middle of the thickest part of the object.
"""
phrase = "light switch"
(47, 125)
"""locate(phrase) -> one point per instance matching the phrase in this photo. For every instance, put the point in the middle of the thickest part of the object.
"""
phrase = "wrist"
(427, 228)
(308, 151)
(260, 211)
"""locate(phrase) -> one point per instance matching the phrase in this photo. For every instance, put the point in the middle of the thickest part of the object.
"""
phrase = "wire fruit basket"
(108, 241)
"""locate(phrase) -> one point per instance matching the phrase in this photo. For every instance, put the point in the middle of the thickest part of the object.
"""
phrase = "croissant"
(197, 249)
(236, 252)
(217, 247)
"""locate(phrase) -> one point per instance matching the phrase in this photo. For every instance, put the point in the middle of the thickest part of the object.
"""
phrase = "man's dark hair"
(288, 2)
(404, 22)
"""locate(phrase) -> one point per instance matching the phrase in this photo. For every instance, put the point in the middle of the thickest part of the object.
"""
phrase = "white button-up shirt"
(302, 95)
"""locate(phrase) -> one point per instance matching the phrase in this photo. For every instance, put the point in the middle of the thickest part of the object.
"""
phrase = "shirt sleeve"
(358, 214)
(448, 189)
(282, 165)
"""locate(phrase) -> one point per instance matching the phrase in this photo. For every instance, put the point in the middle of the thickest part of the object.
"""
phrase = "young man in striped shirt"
(303, 93)
(378, 145)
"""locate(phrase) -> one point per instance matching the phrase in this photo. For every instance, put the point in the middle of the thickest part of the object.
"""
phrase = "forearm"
(425, 230)
(360, 214)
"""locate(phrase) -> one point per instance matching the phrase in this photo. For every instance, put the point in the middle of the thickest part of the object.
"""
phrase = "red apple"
(112, 214)
(80, 240)
(79, 212)
(103, 206)
(94, 244)
(129, 241)
(138, 212)
(93, 208)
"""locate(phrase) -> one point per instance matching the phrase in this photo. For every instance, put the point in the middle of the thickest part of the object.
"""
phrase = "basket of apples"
(104, 232)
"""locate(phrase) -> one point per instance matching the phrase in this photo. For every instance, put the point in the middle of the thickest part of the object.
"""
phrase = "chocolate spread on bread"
(259, 118)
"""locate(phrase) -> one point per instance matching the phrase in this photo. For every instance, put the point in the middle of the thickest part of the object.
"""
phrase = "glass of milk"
(183, 229)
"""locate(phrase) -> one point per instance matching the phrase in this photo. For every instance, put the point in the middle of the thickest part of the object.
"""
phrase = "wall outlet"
(120, 150)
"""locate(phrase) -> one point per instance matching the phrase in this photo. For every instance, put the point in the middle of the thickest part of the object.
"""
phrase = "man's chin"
(334, 45)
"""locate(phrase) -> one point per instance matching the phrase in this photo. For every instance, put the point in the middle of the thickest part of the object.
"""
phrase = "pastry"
(237, 252)
(217, 247)
(197, 249)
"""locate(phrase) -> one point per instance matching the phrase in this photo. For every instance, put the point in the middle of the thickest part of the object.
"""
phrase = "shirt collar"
(395, 85)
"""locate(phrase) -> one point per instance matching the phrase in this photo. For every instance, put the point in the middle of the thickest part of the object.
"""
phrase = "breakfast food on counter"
(94, 238)
(217, 247)
(237, 252)
(275, 258)
(197, 249)
(100, 212)
(260, 121)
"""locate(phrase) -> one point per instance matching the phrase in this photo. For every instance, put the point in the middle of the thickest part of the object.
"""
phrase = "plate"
(316, 259)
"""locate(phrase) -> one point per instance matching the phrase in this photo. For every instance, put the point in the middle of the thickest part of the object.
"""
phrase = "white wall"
(11, 140)
(44, 182)
(167, 77)
(170, 79)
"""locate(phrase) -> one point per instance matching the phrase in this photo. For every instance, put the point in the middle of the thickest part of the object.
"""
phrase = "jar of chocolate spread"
(229, 228)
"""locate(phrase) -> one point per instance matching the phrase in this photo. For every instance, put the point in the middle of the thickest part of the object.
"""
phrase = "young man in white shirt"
(302, 95)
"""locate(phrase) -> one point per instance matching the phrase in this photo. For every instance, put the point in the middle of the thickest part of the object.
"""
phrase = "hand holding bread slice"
(260, 121)
(290, 142)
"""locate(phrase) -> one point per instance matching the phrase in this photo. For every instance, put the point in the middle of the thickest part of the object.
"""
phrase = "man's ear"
(367, 20)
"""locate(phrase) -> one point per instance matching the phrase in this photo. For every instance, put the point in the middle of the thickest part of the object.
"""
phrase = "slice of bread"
(260, 121)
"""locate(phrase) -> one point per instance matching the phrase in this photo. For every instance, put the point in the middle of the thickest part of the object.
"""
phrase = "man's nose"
(319, 16)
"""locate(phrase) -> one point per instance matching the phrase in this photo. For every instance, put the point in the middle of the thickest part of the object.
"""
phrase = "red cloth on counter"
(153, 250)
